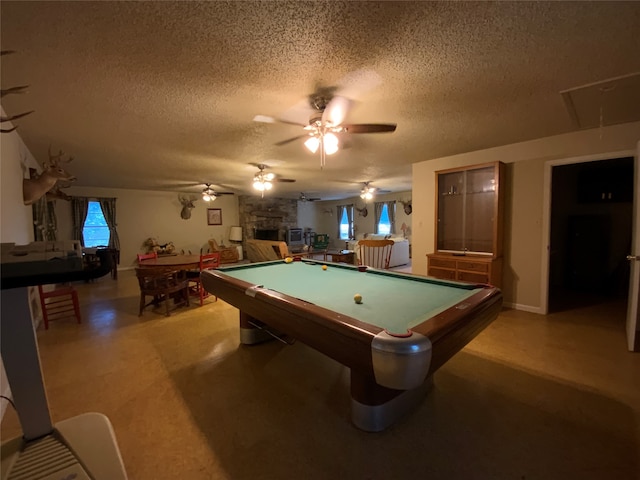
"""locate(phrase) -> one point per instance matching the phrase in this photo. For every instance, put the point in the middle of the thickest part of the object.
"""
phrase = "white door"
(633, 313)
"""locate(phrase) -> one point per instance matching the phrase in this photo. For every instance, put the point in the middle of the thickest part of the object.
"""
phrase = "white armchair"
(399, 254)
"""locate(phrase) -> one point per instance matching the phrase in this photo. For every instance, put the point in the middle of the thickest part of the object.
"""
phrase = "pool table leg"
(374, 407)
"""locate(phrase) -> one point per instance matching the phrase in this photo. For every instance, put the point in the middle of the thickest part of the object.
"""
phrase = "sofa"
(265, 250)
(399, 253)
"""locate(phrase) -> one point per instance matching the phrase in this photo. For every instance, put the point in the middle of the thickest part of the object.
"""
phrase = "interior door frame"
(546, 210)
(633, 312)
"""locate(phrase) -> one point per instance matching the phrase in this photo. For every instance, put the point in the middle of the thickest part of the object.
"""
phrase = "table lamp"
(235, 234)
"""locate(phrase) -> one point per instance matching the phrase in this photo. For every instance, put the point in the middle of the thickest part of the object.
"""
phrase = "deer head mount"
(187, 206)
(363, 212)
(34, 188)
(407, 206)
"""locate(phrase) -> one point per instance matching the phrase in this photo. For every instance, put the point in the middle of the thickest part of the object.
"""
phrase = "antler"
(54, 160)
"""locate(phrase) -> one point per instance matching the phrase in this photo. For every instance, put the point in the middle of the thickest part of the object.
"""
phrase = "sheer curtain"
(108, 206)
(79, 209)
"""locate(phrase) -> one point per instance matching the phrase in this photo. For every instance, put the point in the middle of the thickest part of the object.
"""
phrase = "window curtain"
(79, 209)
(391, 208)
(391, 211)
(45, 222)
(377, 213)
(340, 209)
(108, 206)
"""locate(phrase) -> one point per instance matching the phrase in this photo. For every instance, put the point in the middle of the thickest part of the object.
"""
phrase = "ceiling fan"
(264, 180)
(209, 194)
(304, 198)
(328, 112)
(368, 192)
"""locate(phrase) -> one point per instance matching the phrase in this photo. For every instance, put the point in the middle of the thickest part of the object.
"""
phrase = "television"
(295, 237)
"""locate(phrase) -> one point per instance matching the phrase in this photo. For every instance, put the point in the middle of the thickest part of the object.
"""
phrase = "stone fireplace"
(266, 214)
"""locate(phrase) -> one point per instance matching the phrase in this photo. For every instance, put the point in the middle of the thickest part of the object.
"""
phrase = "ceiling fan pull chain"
(322, 152)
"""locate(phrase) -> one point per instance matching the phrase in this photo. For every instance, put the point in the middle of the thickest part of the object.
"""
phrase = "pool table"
(405, 328)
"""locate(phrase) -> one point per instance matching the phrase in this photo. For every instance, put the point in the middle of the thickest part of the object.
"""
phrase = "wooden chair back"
(60, 302)
(162, 285)
(375, 253)
(209, 260)
(147, 256)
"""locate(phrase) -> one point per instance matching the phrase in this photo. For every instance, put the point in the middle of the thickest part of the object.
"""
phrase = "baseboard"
(524, 308)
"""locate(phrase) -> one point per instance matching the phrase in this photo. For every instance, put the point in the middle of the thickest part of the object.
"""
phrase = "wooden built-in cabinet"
(469, 224)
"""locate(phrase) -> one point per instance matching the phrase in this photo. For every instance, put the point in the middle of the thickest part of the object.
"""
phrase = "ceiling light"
(330, 143)
(312, 144)
(322, 137)
(367, 193)
(262, 181)
(208, 195)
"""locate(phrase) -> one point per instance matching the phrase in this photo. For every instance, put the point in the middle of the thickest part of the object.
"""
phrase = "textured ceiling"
(162, 95)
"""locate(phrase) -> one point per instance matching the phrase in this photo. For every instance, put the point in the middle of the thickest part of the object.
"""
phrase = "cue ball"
(324, 267)
(357, 298)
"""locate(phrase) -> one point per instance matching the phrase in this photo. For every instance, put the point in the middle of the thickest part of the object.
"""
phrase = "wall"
(142, 214)
(327, 222)
(524, 244)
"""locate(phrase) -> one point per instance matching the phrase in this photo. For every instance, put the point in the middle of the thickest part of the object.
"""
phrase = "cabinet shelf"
(469, 224)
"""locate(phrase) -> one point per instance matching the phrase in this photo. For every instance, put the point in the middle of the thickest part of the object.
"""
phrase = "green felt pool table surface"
(394, 302)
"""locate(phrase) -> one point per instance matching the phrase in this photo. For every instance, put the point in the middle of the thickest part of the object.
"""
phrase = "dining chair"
(207, 261)
(163, 285)
(147, 256)
(58, 303)
(375, 253)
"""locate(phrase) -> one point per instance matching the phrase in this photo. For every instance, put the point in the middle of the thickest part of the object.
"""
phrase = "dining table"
(179, 262)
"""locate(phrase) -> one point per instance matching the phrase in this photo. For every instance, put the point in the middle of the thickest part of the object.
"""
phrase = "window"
(384, 225)
(344, 223)
(95, 230)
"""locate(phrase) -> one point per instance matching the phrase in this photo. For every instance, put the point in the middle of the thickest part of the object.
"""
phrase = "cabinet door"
(479, 210)
(469, 210)
(450, 200)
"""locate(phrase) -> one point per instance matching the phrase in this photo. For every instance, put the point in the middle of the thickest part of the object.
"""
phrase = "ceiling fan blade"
(289, 140)
(336, 110)
(268, 119)
(223, 193)
(283, 180)
(369, 128)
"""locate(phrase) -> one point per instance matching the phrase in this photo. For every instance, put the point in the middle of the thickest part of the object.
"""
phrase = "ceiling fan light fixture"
(312, 144)
(330, 142)
(208, 195)
(367, 193)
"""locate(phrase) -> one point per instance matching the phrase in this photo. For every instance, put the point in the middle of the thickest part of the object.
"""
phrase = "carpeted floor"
(532, 397)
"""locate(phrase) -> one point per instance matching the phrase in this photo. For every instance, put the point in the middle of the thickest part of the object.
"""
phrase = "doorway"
(590, 234)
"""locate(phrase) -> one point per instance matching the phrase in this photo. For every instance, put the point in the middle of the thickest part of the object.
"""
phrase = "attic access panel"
(608, 102)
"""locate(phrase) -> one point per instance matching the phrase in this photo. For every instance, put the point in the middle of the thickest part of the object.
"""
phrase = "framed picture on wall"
(214, 216)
